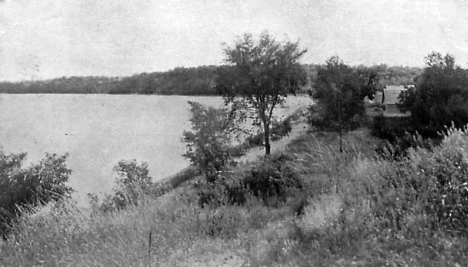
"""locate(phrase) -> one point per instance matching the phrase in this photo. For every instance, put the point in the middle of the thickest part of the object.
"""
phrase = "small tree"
(261, 75)
(340, 91)
(209, 145)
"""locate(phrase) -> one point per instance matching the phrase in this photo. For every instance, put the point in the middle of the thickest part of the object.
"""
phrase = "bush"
(224, 191)
(272, 177)
(400, 135)
(391, 128)
(32, 186)
(398, 149)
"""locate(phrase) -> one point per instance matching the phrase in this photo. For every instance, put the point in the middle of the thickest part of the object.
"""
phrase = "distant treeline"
(179, 81)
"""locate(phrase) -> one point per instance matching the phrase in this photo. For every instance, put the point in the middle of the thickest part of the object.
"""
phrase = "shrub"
(391, 128)
(32, 186)
(398, 149)
(272, 177)
(399, 135)
(224, 191)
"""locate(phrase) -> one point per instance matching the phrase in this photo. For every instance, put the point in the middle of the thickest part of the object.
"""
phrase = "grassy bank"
(353, 209)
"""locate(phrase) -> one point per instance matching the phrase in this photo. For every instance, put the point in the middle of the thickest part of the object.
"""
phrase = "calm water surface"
(99, 130)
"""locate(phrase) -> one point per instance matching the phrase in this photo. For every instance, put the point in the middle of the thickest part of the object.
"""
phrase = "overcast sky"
(41, 39)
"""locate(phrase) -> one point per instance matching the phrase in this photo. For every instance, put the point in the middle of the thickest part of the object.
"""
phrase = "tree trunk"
(341, 141)
(267, 139)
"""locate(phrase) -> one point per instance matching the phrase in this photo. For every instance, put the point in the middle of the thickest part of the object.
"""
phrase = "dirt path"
(299, 127)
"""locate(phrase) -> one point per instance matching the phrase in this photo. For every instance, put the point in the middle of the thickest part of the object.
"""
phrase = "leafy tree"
(340, 91)
(209, 145)
(260, 75)
(38, 184)
(440, 97)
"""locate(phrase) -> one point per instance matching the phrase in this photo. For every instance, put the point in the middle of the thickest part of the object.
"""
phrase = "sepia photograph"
(233, 133)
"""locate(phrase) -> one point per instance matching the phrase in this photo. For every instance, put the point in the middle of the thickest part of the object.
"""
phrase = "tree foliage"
(340, 91)
(260, 75)
(209, 145)
(440, 96)
(35, 185)
(397, 75)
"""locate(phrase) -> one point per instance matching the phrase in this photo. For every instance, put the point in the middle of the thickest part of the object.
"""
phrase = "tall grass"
(395, 213)
(166, 231)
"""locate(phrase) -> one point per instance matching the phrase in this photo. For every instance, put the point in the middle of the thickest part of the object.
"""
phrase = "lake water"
(99, 130)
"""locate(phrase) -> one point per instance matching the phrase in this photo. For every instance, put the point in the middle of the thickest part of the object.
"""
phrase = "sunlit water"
(99, 130)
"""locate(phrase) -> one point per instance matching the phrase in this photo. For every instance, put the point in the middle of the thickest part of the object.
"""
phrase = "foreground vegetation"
(350, 210)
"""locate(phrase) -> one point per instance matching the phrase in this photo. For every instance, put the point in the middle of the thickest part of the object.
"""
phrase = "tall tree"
(339, 92)
(259, 75)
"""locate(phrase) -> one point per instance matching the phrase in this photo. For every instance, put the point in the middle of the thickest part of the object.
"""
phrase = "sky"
(43, 39)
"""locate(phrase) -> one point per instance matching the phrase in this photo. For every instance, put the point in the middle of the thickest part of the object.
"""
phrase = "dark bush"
(32, 186)
(391, 128)
(398, 149)
(272, 177)
(399, 135)
(224, 191)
